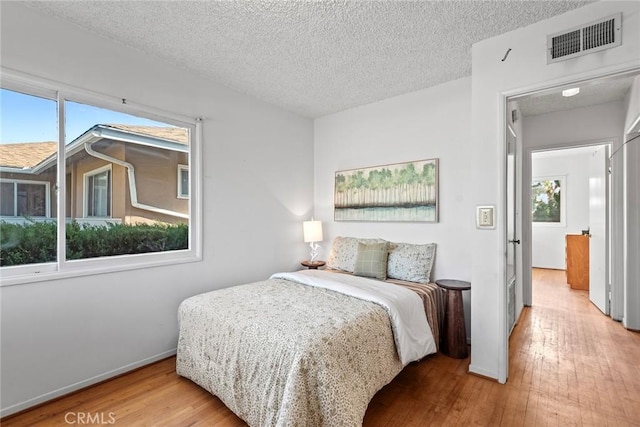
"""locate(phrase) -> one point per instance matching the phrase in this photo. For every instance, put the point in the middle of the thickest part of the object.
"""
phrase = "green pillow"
(371, 260)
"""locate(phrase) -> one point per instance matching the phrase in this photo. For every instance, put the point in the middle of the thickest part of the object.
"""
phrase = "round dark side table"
(313, 265)
(454, 335)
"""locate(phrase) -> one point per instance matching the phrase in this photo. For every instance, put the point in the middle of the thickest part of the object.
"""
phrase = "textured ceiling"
(310, 57)
(594, 92)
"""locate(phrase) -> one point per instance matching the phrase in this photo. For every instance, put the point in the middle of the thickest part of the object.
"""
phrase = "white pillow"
(344, 251)
(412, 263)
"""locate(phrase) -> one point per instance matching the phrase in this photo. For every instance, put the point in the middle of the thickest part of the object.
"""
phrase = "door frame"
(504, 97)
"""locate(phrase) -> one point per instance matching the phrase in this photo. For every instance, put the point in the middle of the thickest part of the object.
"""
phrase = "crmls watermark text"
(90, 418)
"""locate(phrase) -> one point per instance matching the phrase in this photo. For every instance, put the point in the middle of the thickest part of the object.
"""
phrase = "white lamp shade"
(312, 231)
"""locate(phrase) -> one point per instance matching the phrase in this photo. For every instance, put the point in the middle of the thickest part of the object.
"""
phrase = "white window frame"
(181, 168)
(85, 193)
(47, 193)
(44, 88)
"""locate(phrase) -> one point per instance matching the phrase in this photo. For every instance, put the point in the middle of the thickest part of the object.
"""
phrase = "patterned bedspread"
(280, 353)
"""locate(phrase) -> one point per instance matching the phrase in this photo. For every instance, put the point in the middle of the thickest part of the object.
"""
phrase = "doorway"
(547, 121)
(570, 217)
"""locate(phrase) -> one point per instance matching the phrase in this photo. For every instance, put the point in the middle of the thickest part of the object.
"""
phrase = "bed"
(307, 348)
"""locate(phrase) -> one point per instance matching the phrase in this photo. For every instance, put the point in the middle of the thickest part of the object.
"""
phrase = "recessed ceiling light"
(571, 92)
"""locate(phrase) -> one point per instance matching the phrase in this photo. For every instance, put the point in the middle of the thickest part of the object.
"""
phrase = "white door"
(598, 274)
(512, 241)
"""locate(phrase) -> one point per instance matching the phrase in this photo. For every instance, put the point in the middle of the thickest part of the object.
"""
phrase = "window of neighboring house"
(98, 193)
(7, 199)
(104, 145)
(183, 181)
(25, 199)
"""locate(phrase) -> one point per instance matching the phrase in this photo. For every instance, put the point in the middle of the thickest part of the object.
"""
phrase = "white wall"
(632, 105)
(548, 240)
(574, 127)
(432, 123)
(524, 70)
(598, 123)
(61, 335)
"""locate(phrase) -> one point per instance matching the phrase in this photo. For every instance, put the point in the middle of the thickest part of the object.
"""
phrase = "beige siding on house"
(156, 174)
(157, 183)
(68, 200)
(82, 163)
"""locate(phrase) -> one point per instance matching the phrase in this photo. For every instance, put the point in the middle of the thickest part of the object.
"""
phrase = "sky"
(26, 118)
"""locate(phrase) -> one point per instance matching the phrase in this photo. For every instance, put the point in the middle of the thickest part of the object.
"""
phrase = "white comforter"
(411, 330)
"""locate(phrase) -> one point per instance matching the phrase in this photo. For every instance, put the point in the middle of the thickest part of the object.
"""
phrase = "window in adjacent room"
(547, 200)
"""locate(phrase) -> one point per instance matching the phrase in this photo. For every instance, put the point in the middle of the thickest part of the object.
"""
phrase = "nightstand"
(454, 334)
(313, 265)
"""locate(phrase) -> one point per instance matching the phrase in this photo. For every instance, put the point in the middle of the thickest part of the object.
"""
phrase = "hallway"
(573, 359)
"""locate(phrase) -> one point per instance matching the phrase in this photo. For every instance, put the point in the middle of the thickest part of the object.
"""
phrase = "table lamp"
(312, 234)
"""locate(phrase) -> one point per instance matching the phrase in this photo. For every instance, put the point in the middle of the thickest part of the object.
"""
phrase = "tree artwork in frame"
(400, 192)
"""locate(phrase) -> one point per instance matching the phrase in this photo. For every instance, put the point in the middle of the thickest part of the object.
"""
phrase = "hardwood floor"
(569, 365)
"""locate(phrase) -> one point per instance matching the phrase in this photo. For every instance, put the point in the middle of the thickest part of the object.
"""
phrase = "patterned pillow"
(344, 251)
(371, 260)
(412, 263)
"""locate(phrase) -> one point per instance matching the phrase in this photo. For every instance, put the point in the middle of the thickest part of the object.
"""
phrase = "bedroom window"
(116, 163)
(27, 188)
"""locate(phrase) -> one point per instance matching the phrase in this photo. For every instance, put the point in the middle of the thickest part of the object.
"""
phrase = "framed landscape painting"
(396, 192)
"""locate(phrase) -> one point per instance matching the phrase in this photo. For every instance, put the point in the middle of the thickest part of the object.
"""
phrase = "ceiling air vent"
(595, 36)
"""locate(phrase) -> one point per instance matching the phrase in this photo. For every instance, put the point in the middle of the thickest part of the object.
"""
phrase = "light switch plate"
(485, 217)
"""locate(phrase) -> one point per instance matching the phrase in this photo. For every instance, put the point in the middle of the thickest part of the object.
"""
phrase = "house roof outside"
(26, 154)
(168, 133)
(31, 157)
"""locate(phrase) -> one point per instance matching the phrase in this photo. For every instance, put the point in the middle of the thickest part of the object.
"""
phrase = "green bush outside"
(35, 242)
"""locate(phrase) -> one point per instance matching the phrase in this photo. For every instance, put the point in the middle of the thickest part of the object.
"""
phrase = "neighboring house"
(115, 173)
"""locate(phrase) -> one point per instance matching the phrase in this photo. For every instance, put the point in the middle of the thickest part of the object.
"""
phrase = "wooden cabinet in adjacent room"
(577, 257)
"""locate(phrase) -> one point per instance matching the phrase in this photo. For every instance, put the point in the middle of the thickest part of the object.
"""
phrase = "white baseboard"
(83, 384)
(483, 372)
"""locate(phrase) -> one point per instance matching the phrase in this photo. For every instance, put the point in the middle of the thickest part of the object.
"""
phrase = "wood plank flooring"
(569, 365)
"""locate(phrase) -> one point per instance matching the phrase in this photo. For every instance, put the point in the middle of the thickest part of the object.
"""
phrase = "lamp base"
(314, 251)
